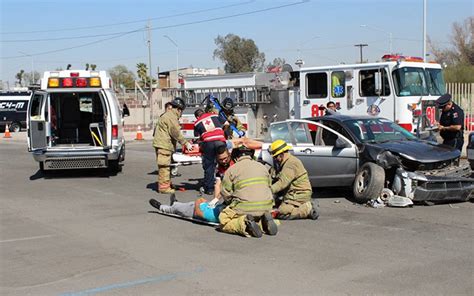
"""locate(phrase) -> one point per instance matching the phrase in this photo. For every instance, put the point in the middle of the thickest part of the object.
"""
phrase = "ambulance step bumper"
(79, 162)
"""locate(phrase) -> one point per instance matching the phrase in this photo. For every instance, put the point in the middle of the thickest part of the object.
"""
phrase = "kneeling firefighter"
(292, 184)
(246, 189)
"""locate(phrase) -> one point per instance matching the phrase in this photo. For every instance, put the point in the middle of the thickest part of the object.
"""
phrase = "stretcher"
(187, 157)
(194, 220)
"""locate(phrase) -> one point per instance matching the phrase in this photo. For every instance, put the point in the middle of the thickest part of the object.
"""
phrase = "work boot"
(268, 224)
(167, 191)
(154, 203)
(172, 199)
(314, 214)
(252, 227)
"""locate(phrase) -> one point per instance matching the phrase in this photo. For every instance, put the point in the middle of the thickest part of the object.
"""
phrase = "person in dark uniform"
(451, 122)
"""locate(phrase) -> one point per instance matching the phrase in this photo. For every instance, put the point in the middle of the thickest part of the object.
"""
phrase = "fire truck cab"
(75, 122)
(403, 89)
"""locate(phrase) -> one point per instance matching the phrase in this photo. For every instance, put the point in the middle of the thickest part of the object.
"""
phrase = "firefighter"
(209, 128)
(246, 189)
(451, 122)
(167, 133)
(228, 108)
(292, 184)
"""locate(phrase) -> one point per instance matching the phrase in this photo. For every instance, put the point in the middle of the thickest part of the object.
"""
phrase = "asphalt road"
(86, 233)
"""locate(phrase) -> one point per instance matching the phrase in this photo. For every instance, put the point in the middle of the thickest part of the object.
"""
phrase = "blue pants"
(209, 153)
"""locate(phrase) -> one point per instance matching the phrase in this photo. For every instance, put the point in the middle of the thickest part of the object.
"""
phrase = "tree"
(121, 75)
(19, 76)
(142, 72)
(238, 54)
(459, 59)
(31, 79)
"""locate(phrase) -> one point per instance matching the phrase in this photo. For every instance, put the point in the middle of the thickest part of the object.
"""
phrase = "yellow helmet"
(278, 147)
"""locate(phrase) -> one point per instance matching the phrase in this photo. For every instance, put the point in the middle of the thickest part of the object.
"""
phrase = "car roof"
(341, 117)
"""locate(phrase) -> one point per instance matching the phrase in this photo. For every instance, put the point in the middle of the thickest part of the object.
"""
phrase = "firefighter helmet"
(278, 147)
(178, 103)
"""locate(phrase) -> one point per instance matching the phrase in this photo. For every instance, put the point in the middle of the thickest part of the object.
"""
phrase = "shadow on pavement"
(73, 174)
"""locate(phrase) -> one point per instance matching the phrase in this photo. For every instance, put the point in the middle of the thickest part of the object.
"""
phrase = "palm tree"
(142, 71)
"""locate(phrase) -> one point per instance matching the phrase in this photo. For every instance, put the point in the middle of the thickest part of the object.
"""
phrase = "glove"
(188, 146)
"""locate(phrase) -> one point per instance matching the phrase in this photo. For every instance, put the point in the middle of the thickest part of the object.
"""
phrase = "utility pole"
(360, 47)
(150, 96)
(424, 30)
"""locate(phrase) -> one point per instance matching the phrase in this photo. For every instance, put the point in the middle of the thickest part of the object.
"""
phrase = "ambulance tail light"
(81, 82)
(95, 82)
(114, 131)
(74, 74)
(53, 82)
(407, 126)
(67, 82)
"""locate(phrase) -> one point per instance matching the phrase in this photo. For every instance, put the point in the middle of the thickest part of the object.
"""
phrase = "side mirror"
(341, 144)
(125, 111)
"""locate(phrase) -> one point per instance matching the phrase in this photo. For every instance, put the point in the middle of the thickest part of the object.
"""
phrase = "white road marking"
(25, 238)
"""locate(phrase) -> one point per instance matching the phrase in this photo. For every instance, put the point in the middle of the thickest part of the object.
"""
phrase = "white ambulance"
(400, 88)
(75, 122)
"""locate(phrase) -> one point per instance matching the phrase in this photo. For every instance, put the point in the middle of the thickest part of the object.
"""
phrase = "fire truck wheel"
(15, 127)
(368, 183)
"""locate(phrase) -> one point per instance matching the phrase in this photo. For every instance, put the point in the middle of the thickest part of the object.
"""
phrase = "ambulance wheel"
(174, 171)
(15, 127)
(368, 183)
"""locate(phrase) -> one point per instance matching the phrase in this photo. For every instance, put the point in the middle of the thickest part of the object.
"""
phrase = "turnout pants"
(163, 160)
(209, 151)
(293, 209)
(232, 218)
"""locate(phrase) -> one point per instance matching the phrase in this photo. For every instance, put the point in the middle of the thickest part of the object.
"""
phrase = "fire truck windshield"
(413, 81)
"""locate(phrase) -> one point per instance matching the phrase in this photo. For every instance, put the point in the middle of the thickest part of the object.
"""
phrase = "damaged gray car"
(373, 156)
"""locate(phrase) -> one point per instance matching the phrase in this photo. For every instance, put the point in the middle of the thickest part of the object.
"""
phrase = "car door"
(329, 157)
(37, 129)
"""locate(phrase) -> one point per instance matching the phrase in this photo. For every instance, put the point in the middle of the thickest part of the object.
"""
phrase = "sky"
(46, 35)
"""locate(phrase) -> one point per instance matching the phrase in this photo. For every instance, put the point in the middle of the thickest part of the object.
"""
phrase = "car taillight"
(67, 82)
(406, 126)
(53, 82)
(114, 131)
(417, 113)
(81, 82)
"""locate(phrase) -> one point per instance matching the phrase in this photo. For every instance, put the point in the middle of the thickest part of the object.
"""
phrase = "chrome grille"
(75, 163)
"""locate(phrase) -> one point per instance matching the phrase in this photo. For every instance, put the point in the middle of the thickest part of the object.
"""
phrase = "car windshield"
(436, 83)
(376, 130)
(410, 81)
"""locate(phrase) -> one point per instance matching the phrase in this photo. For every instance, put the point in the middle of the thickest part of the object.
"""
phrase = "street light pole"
(177, 57)
(424, 30)
(32, 66)
(390, 36)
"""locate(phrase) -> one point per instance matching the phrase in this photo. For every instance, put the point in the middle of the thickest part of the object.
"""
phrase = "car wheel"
(114, 167)
(15, 127)
(41, 166)
(369, 182)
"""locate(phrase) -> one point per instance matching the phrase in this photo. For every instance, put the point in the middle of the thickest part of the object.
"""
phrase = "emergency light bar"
(396, 57)
(74, 81)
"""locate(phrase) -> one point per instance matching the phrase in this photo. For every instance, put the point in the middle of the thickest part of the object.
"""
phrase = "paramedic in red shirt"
(208, 127)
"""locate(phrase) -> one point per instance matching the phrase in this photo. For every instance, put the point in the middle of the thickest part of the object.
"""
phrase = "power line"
(131, 22)
(166, 27)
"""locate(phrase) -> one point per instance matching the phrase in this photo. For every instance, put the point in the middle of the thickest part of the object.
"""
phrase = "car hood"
(420, 151)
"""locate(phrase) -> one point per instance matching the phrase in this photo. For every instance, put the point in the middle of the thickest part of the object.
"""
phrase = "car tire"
(114, 166)
(369, 182)
(15, 127)
(41, 166)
